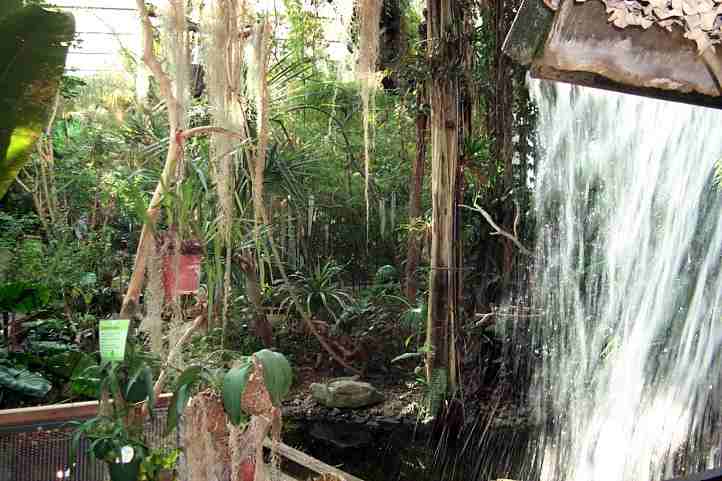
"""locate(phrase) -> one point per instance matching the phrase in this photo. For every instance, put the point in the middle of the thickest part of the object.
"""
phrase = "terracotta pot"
(189, 274)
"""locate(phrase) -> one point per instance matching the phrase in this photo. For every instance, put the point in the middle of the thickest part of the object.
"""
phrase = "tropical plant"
(320, 290)
(158, 465)
(277, 377)
(116, 434)
(33, 46)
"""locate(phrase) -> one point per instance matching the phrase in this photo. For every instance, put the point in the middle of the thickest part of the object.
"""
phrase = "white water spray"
(629, 281)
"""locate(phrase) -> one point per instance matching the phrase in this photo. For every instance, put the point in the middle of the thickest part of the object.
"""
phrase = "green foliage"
(130, 381)
(24, 382)
(14, 227)
(33, 47)
(126, 383)
(320, 290)
(49, 351)
(23, 297)
(181, 395)
(85, 378)
(278, 377)
(234, 384)
(107, 436)
(277, 374)
(386, 274)
(158, 461)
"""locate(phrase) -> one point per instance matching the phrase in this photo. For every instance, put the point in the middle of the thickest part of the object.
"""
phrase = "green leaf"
(234, 383)
(148, 379)
(181, 395)
(33, 47)
(21, 296)
(406, 355)
(86, 377)
(277, 374)
(176, 407)
(189, 376)
(23, 381)
(137, 390)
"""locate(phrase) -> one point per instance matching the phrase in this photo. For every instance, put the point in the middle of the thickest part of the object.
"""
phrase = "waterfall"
(626, 369)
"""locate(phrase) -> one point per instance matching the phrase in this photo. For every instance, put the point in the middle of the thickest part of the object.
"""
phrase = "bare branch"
(210, 129)
(197, 323)
(498, 230)
(175, 150)
(152, 61)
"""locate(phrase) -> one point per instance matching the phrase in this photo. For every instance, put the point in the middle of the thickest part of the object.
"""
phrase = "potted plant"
(181, 272)
(237, 411)
(115, 435)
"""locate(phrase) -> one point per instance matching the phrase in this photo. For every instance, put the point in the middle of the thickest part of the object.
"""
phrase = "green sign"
(113, 334)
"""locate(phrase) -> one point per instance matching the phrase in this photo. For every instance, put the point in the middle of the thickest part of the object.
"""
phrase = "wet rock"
(346, 393)
(341, 435)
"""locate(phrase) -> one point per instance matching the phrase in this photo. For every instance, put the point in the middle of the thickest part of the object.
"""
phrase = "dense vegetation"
(322, 249)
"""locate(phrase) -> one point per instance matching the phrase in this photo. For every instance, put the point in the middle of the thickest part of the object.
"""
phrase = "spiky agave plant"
(320, 290)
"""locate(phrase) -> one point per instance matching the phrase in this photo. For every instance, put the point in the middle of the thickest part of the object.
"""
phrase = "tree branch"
(210, 129)
(175, 150)
(197, 323)
(498, 230)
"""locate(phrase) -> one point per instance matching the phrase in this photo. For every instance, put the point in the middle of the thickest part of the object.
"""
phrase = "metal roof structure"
(105, 29)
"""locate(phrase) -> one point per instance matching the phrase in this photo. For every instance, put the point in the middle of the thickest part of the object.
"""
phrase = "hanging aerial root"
(370, 15)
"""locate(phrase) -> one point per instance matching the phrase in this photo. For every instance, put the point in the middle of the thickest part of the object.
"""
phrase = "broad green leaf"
(63, 364)
(176, 407)
(234, 383)
(23, 381)
(277, 374)
(33, 47)
(148, 380)
(136, 390)
(189, 376)
(85, 380)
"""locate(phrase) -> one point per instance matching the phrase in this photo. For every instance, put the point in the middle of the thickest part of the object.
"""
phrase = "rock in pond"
(345, 393)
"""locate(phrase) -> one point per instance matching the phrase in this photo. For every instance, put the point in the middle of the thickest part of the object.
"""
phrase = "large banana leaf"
(24, 381)
(33, 46)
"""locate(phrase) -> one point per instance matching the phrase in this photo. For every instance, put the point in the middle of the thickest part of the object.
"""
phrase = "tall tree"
(449, 24)
(413, 252)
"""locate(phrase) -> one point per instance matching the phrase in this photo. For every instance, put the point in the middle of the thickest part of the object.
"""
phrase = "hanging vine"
(370, 19)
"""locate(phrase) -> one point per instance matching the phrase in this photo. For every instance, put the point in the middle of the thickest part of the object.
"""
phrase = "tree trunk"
(447, 46)
(417, 183)
(135, 285)
(502, 122)
(261, 327)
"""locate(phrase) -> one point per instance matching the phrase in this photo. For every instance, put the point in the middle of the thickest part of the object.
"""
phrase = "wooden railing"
(57, 413)
(35, 419)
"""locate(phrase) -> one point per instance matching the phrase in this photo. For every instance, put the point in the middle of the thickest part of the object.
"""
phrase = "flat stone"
(346, 393)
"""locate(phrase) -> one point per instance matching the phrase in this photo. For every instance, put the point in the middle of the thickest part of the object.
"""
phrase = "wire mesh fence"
(41, 451)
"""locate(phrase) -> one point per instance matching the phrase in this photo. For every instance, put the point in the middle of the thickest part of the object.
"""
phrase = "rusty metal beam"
(582, 47)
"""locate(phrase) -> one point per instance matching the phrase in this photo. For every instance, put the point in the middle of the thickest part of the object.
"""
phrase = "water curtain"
(626, 370)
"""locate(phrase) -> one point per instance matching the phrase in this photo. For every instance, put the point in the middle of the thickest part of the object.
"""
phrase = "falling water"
(629, 286)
